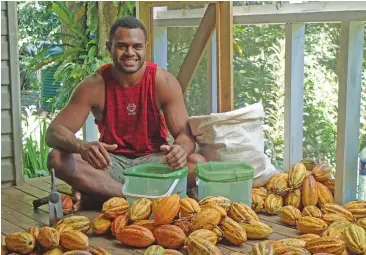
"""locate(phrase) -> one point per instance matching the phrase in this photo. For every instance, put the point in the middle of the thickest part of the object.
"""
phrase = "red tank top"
(131, 118)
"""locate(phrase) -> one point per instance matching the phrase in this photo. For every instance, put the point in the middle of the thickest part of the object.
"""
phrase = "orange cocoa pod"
(311, 225)
(48, 237)
(136, 236)
(189, 207)
(169, 236)
(293, 198)
(205, 219)
(119, 223)
(291, 250)
(307, 237)
(326, 244)
(166, 210)
(337, 209)
(233, 232)
(218, 200)
(74, 240)
(289, 215)
(296, 175)
(324, 195)
(312, 210)
(322, 172)
(309, 195)
(77, 252)
(184, 224)
(114, 207)
(221, 210)
(4, 250)
(241, 212)
(99, 251)
(20, 242)
(330, 184)
(67, 203)
(140, 209)
(149, 224)
(101, 224)
(34, 231)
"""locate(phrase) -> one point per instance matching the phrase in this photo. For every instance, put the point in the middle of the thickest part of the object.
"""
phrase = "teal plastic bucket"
(154, 181)
(229, 179)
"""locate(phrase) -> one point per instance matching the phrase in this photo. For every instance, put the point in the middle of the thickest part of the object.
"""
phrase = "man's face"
(128, 49)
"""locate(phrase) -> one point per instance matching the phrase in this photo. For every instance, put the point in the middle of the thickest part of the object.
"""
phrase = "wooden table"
(17, 214)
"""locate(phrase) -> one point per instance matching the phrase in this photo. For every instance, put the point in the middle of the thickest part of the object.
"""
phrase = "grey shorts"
(120, 163)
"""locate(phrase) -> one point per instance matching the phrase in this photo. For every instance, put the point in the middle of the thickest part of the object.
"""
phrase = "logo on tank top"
(131, 107)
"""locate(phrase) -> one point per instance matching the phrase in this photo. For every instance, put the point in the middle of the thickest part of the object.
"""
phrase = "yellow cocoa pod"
(219, 233)
(307, 237)
(241, 212)
(114, 207)
(48, 237)
(34, 231)
(289, 215)
(332, 217)
(324, 195)
(205, 234)
(330, 184)
(256, 229)
(172, 252)
(169, 236)
(355, 239)
(140, 209)
(309, 164)
(312, 211)
(294, 242)
(99, 251)
(309, 195)
(63, 227)
(257, 202)
(184, 224)
(273, 203)
(101, 224)
(200, 246)
(54, 251)
(189, 207)
(20, 242)
(205, 219)
(149, 224)
(221, 210)
(218, 200)
(291, 250)
(74, 240)
(326, 244)
(337, 209)
(166, 209)
(293, 198)
(334, 233)
(233, 232)
(322, 172)
(80, 223)
(262, 248)
(280, 186)
(119, 223)
(312, 225)
(154, 250)
(357, 208)
(77, 252)
(261, 191)
(362, 223)
(136, 236)
(296, 175)
(270, 185)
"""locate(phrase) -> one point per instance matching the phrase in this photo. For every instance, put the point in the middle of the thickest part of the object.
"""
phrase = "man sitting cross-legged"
(133, 101)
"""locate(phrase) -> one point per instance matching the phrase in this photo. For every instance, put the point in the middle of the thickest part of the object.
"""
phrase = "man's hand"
(176, 156)
(96, 154)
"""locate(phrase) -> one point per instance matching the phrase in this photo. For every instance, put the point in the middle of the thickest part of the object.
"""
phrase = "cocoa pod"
(119, 223)
(311, 225)
(200, 246)
(256, 229)
(289, 215)
(296, 175)
(322, 172)
(169, 236)
(233, 232)
(140, 209)
(309, 195)
(136, 236)
(21, 242)
(114, 207)
(326, 244)
(101, 224)
(166, 209)
(74, 240)
(218, 200)
(241, 212)
(189, 207)
(48, 237)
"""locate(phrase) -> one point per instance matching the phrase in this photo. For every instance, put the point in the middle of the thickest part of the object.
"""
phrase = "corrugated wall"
(11, 148)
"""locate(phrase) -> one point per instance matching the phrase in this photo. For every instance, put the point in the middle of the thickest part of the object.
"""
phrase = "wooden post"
(160, 42)
(225, 80)
(144, 14)
(349, 99)
(211, 75)
(294, 94)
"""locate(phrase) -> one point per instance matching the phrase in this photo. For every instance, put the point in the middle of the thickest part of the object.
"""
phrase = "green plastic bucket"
(154, 181)
(229, 179)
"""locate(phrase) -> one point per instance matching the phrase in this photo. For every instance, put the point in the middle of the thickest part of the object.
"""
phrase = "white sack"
(235, 136)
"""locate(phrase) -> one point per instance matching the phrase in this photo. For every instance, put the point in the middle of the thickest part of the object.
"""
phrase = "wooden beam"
(197, 47)
(176, 3)
(145, 15)
(225, 80)
(294, 93)
(211, 75)
(160, 43)
(349, 100)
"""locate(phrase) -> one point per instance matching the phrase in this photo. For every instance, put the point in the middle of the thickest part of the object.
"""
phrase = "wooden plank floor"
(17, 214)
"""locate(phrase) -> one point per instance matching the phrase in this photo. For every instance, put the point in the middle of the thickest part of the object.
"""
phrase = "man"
(133, 101)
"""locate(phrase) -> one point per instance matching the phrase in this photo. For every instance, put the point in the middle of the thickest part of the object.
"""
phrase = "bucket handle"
(127, 194)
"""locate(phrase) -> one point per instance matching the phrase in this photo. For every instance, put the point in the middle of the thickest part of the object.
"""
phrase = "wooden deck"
(17, 214)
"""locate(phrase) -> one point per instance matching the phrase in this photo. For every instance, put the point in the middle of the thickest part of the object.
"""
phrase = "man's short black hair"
(126, 22)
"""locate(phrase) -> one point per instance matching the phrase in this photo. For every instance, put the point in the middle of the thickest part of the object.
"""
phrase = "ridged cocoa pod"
(119, 223)
(101, 224)
(63, 227)
(332, 217)
(309, 164)
(48, 237)
(289, 215)
(77, 252)
(114, 207)
(312, 211)
(291, 250)
(67, 203)
(257, 202)
(357, 208)
(189, 207)
(273, 203)
(136, 236)
(309, 195)
(241, 212)
(54, 251)
(296, 175)
(362, 223)
(326, 244)
(256, 229)
(74, 240)
(140, 209)
(80, 223)
(294, 242)
(200, 246)
(330, 184)
(293, 198)
(356, 239)
(341, 225)
(307, 237)
(262, 249)
(205, 219)
(166, 209)
(149, 224)
(205, 234)
(34, 231)
(184, 224)
(217, 200)
(221, 210)
(219, 233)
(270, 184)
(154, 250)
(99, 251)
(233, 232)
(312, 225)
(280, 185)
(334, 233)
(324, 195)
(322, 172)
(4, 250)
(169, 236)
(261, 191)
(172, 252)
(20, 242)
(337, 209)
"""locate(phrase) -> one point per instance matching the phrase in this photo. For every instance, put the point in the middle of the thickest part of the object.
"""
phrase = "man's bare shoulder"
(167, 86)
(91, 85)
